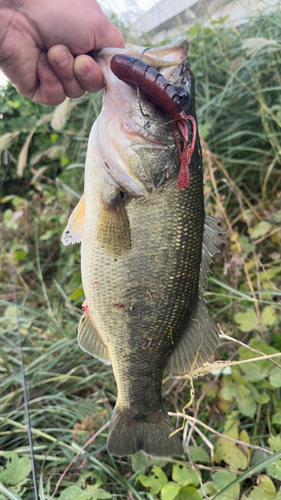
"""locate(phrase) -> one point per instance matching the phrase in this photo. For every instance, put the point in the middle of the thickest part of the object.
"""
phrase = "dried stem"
(192, 419)
(257, 351)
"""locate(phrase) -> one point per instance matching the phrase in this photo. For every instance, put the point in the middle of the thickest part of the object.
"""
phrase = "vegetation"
(232, 432)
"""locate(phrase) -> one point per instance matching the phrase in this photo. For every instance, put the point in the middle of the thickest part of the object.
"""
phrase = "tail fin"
(129, 434)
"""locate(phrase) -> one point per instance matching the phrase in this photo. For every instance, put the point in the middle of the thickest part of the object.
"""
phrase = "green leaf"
(185, 475)
(194, 30)
(19, 254)
(93, 494)
(49, 234)
(267, 485)
(244, 393)
(54, 137)
(5, 199)
(170, 491)
(64, 161)
(16, 469)
(246, 405)
(10, 312)
(9, 220)
(96, 476)
(253, 372)
(228, 451)
(258, 493)
(250, 472)
(188, 493)
(260, 369)
(155, 481)
(268, 315)
(70, 493)
(275, 376)
(13, 104)
(262, 346)
(275, 443)
(78, 292)
(276, 417)
(260, 229)
(263, 399)
(276, 217)
(199, 455)
(274, 469)
(246, 245)
(17, 201)
(222, 483)
(247, 320)
(139, 462)
(264, 491)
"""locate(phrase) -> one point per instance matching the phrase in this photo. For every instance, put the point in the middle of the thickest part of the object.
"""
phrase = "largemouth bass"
(146, 246)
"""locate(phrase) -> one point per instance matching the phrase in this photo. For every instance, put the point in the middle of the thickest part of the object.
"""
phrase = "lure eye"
(183, 95)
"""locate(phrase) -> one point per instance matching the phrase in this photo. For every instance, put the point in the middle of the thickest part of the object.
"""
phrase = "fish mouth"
(170, 60)
(127, 138)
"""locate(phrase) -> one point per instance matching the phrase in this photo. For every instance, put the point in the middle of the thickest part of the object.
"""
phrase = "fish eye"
(183, 95)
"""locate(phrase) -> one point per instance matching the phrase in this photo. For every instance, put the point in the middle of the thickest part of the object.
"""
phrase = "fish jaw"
(123, 126)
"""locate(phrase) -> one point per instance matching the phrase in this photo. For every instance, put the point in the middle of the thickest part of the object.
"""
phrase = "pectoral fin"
(73, 231)
(113, 227)
(89, 339)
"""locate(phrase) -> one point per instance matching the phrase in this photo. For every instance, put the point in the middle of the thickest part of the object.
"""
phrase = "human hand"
(43, 47)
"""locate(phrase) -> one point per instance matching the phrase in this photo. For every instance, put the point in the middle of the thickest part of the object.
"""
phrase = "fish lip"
(165, 56)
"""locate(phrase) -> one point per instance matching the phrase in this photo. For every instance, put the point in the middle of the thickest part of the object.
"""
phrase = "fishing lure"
(137, 73)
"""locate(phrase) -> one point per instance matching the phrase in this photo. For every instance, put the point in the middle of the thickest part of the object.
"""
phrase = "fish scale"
(142, 240)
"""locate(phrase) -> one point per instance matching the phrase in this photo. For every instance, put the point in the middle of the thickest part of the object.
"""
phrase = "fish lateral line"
(138, 74)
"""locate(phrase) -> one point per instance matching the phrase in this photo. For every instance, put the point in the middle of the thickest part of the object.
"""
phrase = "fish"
(146, 241)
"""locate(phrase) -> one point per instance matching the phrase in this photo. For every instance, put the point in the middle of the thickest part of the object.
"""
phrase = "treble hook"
(145, 115)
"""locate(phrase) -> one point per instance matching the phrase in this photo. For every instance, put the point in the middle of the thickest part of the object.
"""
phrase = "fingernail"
(62, 59)
(86, 71)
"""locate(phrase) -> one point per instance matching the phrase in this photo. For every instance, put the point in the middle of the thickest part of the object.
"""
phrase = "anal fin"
(199, 339)
(90, 341)
(73, 231)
